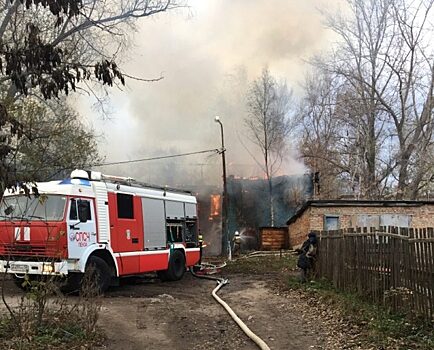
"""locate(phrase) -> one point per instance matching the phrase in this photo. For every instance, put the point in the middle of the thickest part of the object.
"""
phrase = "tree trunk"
(403, 175)
(271, 201)
(371, 151)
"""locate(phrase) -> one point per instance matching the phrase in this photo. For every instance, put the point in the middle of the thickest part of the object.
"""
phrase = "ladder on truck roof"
(128, 181)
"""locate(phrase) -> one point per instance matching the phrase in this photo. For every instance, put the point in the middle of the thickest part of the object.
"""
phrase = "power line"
(60, 169)
(216, 150)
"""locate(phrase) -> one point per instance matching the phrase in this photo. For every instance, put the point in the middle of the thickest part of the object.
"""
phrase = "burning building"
(248, 208)
(210, 205)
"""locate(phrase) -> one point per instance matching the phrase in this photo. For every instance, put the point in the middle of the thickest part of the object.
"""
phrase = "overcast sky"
(208, 55)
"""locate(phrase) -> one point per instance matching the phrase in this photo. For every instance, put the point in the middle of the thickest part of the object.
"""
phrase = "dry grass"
(370, 326)
(258, 265)
(46, 319)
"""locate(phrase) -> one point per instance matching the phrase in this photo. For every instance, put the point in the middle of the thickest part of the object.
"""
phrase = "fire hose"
(220, 283)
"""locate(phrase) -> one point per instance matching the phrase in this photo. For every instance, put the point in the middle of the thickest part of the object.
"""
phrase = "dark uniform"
(307, 256)
(201, 246)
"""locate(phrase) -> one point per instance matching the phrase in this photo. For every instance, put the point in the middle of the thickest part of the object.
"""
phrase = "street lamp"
(225, 243)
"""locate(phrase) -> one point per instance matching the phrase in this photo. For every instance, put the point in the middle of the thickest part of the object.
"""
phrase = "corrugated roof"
(355, 203)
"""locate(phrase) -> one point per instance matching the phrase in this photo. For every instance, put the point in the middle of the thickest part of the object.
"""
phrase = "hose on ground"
(220, 283)
(263, 254)
(267, 254)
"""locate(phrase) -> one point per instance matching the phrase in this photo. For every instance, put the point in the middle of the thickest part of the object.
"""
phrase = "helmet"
(312, 237)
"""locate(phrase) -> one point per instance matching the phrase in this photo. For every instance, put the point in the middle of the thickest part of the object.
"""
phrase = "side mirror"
(83, 211)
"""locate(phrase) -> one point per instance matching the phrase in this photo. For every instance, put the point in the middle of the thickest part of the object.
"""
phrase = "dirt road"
(145, 313)
(149, 314)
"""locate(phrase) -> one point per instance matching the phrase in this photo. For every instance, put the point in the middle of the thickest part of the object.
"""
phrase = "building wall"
(425, 217)
(299, 229)
(313, 218)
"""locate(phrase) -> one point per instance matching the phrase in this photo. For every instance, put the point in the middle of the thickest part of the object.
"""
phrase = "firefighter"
(236, 244)
(201, 246)
(307, 256)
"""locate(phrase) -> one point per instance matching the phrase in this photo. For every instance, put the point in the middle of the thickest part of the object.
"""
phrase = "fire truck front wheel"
(97, 274)
(176, 267)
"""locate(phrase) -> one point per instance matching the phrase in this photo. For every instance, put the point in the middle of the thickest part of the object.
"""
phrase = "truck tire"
(176, 267)
(97, 276)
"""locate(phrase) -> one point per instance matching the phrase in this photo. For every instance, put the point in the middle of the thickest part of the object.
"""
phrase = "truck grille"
(35, 250)
(29, 258)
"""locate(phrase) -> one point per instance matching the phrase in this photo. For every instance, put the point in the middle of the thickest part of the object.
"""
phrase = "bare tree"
(384, 64)
(52, 47)
(268, 105)
(324, 142)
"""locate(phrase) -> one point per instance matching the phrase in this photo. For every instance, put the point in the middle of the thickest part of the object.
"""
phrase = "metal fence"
(390, 266)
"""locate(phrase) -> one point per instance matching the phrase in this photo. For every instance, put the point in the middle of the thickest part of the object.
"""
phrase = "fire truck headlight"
(48, 268)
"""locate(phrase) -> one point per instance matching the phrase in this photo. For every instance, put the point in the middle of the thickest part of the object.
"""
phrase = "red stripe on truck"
(133, 264)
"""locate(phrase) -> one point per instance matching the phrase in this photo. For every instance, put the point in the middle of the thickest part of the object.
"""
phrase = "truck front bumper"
(34, 267)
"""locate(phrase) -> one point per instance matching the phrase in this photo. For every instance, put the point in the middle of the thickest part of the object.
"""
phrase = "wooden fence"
(391, 266)
(273, 238)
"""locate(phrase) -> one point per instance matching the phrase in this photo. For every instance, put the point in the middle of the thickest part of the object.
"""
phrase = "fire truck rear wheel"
(98, 274)
(176, 267)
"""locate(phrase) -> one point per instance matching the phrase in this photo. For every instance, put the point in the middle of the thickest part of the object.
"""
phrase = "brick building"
(318, 215)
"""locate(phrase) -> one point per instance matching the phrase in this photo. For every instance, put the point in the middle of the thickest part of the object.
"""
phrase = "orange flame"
(215, 205)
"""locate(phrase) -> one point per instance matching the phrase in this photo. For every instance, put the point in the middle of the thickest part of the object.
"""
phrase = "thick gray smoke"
(208, 56)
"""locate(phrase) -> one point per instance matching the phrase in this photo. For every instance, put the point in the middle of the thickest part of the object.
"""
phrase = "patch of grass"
(379, 326)
(258, 265)
(6, 328)
(63, 336)
(53, 333)
(46, 319)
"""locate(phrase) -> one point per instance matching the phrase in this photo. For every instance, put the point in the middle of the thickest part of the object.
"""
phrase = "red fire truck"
(111, 225)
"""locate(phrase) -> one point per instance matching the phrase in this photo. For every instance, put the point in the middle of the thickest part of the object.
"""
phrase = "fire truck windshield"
(44, 207)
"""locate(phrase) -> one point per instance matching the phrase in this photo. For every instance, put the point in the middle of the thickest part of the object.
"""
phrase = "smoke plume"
(208, 55)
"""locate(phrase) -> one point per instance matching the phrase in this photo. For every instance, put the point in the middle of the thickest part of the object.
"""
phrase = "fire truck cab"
(114, 225)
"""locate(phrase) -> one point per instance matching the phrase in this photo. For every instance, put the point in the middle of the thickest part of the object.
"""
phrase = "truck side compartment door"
(126, 230)
(154, 223)
(126, 223)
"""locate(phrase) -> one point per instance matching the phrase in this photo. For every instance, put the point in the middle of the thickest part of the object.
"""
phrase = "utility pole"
(225, 237)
